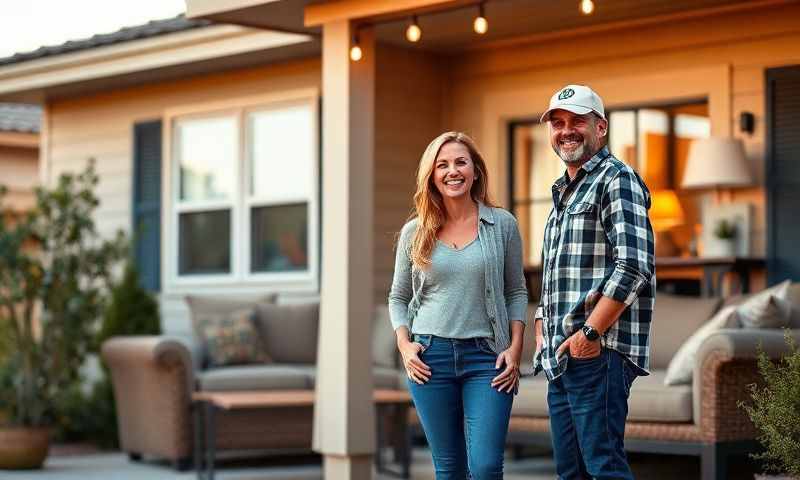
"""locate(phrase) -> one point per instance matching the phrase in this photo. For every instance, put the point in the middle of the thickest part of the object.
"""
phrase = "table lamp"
(665, 213)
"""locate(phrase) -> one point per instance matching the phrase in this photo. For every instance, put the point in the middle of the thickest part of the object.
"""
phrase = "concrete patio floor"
(115, 466)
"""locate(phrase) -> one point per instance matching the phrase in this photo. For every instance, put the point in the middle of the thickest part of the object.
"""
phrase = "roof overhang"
(197, 51)
(279, 15)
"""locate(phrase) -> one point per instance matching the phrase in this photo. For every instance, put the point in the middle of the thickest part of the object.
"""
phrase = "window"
(653, 140)
(244, 199)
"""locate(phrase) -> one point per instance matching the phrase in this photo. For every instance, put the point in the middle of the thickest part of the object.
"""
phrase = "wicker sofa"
(153, 378)
(700, 419)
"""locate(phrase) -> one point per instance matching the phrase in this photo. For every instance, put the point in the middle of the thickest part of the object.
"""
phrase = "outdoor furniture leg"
(199, 464)
(405, 451)
(379, 438)
(211, 439)
(714, 462)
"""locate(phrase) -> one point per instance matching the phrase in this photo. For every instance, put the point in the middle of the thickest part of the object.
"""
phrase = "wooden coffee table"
(390, 405)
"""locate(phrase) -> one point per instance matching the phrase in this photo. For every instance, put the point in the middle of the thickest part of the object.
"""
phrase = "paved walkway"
(115, 466)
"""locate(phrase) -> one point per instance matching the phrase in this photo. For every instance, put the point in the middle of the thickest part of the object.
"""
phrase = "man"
(593, 321)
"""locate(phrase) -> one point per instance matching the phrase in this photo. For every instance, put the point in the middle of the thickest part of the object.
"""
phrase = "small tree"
(54, 273)
(775, 410)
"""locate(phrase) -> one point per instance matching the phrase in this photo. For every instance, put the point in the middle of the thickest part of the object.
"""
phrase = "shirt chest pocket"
(581, 227)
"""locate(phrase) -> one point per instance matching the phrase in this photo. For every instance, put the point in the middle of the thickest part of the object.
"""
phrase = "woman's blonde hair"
(428, 203)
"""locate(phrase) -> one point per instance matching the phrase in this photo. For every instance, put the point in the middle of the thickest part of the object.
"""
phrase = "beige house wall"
(101, 127)
(722, 59)
(19, 172)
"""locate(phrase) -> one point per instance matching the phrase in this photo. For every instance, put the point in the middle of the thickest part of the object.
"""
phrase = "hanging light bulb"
(587, 7)
(480, 25)
(355, 53)
(413, 32)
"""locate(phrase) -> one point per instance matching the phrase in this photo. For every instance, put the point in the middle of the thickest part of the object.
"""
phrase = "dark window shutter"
(783, 173)
(147, 202)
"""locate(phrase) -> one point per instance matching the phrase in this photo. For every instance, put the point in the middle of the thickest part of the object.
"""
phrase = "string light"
(355, 50)
(413, 32)
(480, 25)
(587, 7)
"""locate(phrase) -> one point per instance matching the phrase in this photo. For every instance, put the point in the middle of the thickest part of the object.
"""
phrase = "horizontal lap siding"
(406, 120)
(100, 126)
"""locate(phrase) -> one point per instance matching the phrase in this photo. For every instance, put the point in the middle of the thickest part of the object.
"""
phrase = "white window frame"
(240, 205)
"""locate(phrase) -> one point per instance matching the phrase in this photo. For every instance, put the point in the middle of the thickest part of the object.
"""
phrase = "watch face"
(590, 333)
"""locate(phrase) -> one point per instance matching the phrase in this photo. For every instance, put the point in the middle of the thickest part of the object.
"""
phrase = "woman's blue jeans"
(464, 418)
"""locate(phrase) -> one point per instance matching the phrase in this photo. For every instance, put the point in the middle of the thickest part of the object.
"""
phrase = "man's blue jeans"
(464, 418)
(588, 405)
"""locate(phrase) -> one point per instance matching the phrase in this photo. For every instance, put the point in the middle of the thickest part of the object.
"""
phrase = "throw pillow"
(204, 310)
(231, 339)
(681, 366)
(767, 309)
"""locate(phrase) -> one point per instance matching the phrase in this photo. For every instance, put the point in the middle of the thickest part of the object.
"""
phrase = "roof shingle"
(149, 29)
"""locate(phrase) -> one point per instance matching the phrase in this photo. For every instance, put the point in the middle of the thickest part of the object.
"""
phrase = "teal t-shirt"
(453, 303)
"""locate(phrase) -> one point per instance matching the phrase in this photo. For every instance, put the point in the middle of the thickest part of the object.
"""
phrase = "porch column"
(344, 417)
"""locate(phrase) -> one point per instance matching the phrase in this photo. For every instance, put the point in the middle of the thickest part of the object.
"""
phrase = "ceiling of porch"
(447, 26)
(451, 30)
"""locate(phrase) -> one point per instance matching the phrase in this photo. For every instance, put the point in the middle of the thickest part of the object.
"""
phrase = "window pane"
(207, 155)
(205, 243)
(282, 151)
(279, 238)
(622, 136)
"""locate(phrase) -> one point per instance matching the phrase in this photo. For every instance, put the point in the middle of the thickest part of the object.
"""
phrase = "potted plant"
(724, 240)
(775, 412)
(54, 269)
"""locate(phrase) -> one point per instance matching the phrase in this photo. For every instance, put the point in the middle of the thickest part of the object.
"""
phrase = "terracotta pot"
(23, 447)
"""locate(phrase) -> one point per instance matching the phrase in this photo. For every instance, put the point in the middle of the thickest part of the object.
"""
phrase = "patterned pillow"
(231, 339)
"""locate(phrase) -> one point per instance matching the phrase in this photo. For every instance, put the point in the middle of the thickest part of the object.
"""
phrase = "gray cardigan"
(506, 297)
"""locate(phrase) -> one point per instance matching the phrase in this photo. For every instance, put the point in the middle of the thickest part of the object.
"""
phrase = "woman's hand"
(416, 370)
(509, 378)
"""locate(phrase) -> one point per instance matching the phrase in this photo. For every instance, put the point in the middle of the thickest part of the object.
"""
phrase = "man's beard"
(579, 154)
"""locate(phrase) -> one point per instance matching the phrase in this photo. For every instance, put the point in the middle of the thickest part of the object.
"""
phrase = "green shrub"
(775, 410)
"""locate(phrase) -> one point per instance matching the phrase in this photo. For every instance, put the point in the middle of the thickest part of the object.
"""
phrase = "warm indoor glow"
(413, 32)
(665, 211)
(355, 53)
(587, 7)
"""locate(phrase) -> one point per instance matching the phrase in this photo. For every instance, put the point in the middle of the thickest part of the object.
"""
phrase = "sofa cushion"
(769, 308)
(793, 296)
(532, 398)
(675, 319)
(650, 400)
(256, 377)
(231, 339)
(681, 366)
(209, 310)
(289, 331)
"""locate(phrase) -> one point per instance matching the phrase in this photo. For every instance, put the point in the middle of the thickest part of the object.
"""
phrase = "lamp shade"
(716, 162)
(665, 210)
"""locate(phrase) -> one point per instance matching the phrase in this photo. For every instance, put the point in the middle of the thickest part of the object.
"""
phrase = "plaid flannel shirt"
(598, 240)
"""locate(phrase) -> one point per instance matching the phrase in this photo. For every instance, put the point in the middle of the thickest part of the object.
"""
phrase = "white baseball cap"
(578, 99)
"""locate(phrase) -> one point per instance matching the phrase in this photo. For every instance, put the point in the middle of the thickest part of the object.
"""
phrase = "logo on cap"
(566, 93)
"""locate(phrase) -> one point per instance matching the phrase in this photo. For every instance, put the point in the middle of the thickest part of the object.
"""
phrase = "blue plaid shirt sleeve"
(624, 216)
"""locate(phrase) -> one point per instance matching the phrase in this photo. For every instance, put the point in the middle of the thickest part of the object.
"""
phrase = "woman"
(457, 304)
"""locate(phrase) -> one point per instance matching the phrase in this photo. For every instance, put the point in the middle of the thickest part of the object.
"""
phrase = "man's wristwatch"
(591, 333)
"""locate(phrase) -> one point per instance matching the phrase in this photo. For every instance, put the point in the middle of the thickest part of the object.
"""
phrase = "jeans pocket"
(483, 346)
(628, 376)
(424, 340)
